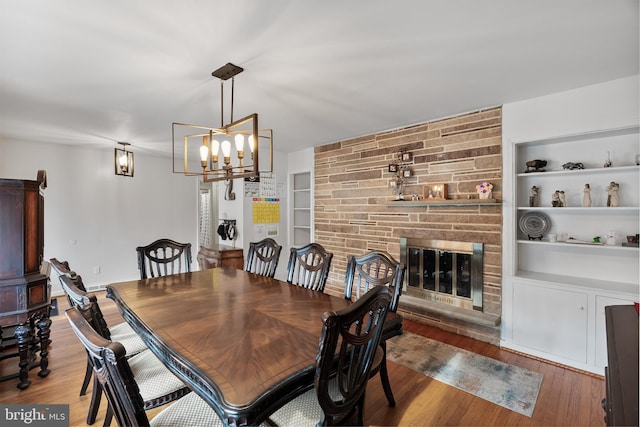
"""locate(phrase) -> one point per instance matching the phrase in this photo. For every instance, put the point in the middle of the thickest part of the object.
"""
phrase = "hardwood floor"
(567, 397)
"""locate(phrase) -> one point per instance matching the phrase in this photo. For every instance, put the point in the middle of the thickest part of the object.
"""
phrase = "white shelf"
(575, 210)
(575, 172)
(586, 246)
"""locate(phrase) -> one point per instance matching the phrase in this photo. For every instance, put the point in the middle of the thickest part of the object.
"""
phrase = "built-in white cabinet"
(555, 289)
(301, 213)
(539, 309)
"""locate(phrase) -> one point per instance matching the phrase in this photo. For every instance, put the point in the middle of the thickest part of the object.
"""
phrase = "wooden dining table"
(243, 342)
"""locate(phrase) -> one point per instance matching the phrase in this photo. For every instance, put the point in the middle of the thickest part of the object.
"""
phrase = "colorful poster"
(266, 210)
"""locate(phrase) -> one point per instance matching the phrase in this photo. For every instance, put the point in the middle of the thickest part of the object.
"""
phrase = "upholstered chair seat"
(121, 379)
(348, 352)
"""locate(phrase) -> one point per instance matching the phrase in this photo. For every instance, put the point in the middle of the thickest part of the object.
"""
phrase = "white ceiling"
(95, 72)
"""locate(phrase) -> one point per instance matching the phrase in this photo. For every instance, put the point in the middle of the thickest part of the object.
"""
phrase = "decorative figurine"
(555, 199)
(608, 163)
(572, 166)
(613, 199)
(563, 199)
(533, 197)
(537, 165)
(586, 196)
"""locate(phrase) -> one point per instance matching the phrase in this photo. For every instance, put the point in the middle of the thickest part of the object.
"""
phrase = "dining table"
(243, 342)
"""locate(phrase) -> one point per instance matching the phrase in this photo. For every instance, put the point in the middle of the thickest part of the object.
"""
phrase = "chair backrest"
(61, 267)
(86, 303)
(353, 334)
(373, 269)
(163, 257)
(263, 257)
(111, 368)
(309, 266)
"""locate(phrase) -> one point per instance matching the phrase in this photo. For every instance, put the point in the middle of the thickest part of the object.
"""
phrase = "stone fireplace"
(354, 212)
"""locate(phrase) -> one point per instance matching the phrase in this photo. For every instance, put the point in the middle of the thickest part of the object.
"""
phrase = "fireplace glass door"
(440, 271)
(450, 275)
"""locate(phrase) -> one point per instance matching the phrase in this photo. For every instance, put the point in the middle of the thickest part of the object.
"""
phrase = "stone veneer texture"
(352, 196)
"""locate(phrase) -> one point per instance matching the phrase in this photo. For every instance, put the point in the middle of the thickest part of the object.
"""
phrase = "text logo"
(34, 415)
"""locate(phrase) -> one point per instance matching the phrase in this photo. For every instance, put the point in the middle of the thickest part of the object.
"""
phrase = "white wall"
(95, 219)
(241, 209)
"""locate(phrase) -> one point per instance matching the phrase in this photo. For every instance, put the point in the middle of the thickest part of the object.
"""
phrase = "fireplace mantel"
(450, 202)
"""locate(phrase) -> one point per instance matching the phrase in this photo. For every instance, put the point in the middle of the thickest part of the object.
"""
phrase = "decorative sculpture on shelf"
(572, 166)
(533, 197)
(401, 170)
(613, 199)
(537, 166)
(558, 199)
(484, 190)
(586, 196)
(608, 163)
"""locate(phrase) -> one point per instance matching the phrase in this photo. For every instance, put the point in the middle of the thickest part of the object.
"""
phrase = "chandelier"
(224, 153)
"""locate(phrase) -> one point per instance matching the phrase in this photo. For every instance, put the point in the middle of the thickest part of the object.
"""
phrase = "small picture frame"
(406, 173)
(393, 183)
(406, 157)
(393, 168)
(434, 192)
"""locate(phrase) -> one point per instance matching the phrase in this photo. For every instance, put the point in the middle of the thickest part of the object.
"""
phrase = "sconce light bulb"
(122, 160)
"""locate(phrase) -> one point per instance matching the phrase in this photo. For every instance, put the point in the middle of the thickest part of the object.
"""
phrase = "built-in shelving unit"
(557, 291)
(302, 214)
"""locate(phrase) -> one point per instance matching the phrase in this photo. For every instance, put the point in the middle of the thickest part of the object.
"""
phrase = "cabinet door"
(551, 320)
(601, 331)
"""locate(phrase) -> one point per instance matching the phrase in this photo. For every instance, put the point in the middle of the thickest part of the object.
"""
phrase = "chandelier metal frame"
(214, 148)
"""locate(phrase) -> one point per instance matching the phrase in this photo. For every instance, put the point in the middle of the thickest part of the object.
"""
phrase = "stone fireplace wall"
(354, 212)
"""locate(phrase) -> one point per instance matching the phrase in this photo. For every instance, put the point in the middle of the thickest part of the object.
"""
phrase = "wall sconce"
(123, 160)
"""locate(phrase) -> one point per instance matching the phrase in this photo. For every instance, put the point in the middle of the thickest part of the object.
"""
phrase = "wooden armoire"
(25, 292)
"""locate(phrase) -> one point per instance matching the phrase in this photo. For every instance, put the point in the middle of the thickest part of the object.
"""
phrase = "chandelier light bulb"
(239, 139)
(252, 142)
(226, 151)
(204, 154)
(215, 148)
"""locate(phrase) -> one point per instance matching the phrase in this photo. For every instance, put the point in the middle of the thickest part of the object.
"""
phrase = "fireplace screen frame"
(475, 252)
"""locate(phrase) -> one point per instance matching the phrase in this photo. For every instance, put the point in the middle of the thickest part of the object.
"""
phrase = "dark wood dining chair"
(349, 341)
(163, 257)
(158, 385)
(75, 291)
(121, 385)
(263, 257)
(308, 266)
(373, 269)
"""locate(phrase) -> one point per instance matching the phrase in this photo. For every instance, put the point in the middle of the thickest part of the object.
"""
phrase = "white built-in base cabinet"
(561, 323)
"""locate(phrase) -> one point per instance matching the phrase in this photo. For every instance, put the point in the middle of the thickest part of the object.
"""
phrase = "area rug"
(506, 385)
